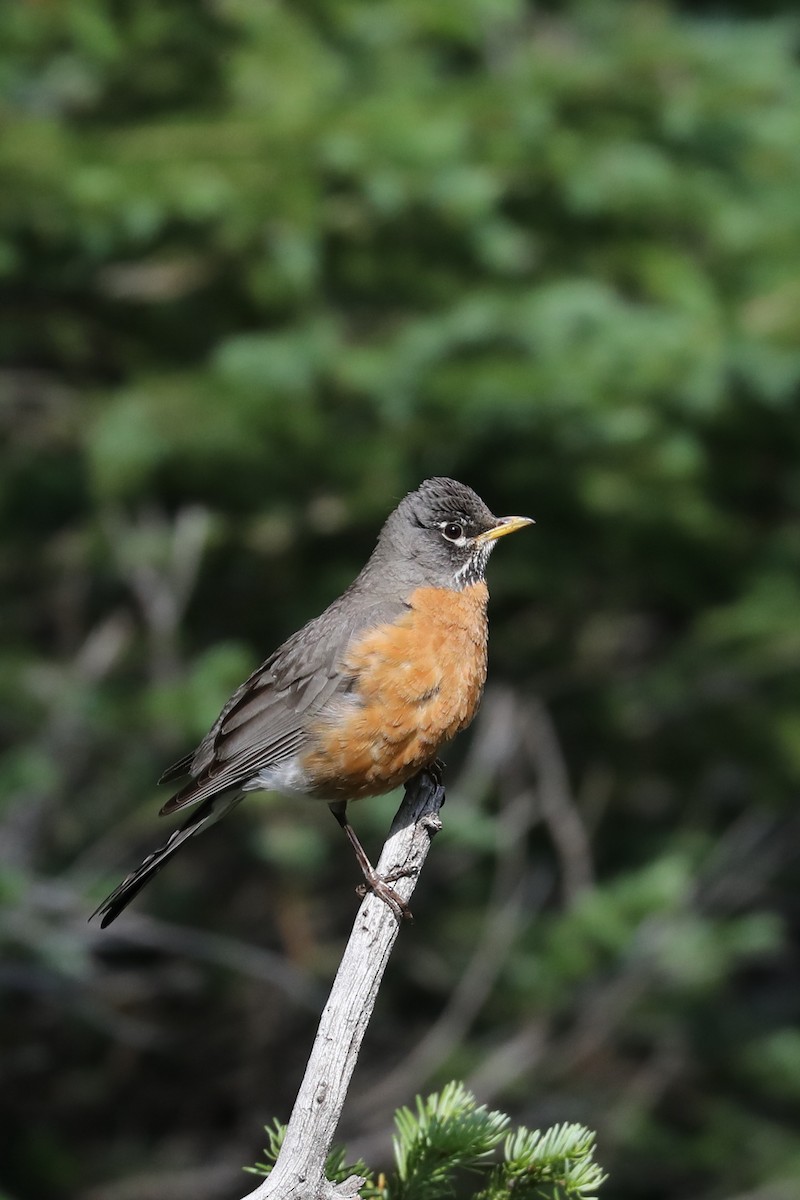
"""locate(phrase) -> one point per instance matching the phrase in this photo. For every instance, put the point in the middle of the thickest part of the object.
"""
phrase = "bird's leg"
(379, 884)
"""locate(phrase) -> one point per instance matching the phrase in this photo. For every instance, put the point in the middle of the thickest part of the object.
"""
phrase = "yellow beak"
(504, 525)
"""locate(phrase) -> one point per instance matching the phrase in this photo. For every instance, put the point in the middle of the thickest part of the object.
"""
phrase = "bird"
(362, 697)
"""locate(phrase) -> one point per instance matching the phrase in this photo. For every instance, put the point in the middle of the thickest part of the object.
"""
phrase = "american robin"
(362, 697)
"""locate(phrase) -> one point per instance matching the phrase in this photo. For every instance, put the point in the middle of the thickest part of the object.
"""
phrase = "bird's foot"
(379, 886)
(399, 873)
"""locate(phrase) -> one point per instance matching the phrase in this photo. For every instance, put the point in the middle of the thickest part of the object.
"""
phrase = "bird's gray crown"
(414, 546)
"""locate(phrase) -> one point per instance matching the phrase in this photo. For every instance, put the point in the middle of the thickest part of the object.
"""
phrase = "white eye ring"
(454, 532)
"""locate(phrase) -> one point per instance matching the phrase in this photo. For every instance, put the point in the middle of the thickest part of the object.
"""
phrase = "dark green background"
(264, 267)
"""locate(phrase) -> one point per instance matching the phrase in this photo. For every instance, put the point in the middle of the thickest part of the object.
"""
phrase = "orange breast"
(418, 682)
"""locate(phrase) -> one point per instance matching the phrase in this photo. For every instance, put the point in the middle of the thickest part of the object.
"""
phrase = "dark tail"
(211, 811)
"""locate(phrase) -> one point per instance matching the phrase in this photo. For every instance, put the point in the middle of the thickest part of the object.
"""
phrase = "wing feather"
(266, 721)
(181, 767)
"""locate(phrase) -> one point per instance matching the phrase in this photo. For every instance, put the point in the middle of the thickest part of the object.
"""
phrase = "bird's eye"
(453, 531)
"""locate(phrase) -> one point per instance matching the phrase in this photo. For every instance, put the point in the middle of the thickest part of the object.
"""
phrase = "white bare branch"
(299, 1173)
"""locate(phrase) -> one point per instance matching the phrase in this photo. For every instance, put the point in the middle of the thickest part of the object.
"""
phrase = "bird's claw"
(379, 886)
(435, 772)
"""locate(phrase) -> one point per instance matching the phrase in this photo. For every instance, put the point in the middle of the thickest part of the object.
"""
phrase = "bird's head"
(442, 534)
